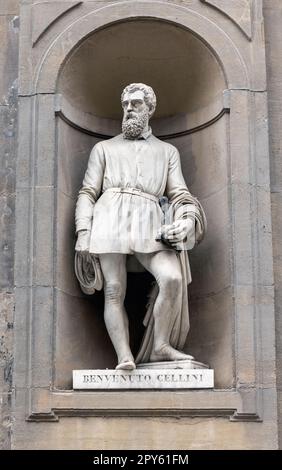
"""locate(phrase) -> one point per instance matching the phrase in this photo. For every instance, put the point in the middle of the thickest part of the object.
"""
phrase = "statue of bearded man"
(119, 213)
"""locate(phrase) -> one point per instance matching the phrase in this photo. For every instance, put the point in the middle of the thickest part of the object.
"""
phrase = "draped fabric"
(182, 205)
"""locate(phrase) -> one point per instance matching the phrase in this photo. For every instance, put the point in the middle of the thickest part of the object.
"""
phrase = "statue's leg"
(113, 266)
(165, 267)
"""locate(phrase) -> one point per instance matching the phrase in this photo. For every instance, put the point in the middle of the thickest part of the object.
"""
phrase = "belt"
(134, 192)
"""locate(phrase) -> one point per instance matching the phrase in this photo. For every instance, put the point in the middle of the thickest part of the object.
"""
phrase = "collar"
(146, 134)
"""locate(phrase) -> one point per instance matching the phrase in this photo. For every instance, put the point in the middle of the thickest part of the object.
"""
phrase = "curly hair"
(149, 94)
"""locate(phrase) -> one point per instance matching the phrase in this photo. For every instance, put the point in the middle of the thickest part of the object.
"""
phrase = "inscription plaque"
(143, 379)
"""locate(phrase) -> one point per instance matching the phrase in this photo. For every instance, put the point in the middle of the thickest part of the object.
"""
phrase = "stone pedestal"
(190, 364)
(158, 375)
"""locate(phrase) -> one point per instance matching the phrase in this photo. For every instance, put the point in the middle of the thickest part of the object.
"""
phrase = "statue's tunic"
(119, 199)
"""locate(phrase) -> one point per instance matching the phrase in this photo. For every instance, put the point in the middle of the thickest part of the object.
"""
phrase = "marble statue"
(134, 200)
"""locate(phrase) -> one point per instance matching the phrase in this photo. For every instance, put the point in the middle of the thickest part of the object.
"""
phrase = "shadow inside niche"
(137, 294)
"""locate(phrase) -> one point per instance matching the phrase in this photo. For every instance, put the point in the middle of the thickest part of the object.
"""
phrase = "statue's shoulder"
(113, 140)
(165, 145)
(105, 145)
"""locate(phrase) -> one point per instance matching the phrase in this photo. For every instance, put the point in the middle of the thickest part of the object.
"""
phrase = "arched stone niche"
(226, 164)
(189, 83)
(182, 69)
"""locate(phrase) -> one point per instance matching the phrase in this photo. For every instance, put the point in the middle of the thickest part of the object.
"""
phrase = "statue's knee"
(171, 281)
(114, 292)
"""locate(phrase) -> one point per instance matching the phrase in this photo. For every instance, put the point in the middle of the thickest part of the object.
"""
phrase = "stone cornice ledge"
(173, 404)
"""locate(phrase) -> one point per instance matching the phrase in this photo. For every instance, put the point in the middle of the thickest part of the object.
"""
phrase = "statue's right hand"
(83, 241)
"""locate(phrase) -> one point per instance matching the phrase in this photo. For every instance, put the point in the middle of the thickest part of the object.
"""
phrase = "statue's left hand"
(180, 230)
(83, 241)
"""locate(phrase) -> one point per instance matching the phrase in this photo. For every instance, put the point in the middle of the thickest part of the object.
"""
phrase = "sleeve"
(176, 188)
(91, 189)
(183, 204)
(175, 180)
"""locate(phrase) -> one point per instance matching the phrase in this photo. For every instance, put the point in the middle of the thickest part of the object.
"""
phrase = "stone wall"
(273, 36)
(97, 431)
(50, 33)
(9, 28)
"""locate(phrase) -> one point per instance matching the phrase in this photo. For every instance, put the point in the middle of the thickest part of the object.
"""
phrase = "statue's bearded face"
(136, 114)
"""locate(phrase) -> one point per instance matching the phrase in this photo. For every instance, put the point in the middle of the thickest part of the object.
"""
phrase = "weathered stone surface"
(209, 336)
(7, 208)
(9, 28)
(212, 310)
(9, 7)
(44, 237)
(273, 37)
(46, 142)
(154, 433)
(8, 145)
(6, 366)
(22, 301)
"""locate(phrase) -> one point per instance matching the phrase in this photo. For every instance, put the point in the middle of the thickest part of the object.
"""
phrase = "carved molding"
(232, 414)
(245, 417)
(55, 414)
(239, 12)
(174, 135)
(209, 404)
(44, 15)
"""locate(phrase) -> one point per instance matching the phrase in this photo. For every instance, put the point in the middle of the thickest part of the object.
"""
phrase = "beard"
(132, 127)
